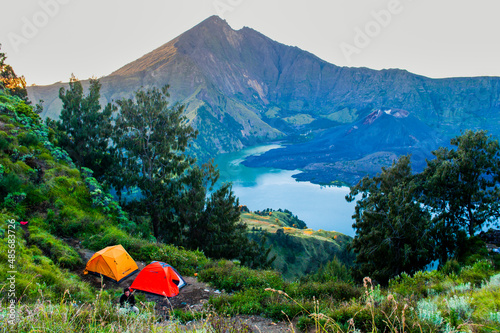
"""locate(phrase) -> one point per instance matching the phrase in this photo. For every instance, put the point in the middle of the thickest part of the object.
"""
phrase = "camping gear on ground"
(112, 262)
(159, 278)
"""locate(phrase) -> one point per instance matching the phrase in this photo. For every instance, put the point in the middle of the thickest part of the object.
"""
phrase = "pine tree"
(84, 130)
(393, 231)
(461, 189)
(151, 138)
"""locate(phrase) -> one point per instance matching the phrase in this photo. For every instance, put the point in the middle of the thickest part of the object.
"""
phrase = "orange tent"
(159, 278)
(113, 262)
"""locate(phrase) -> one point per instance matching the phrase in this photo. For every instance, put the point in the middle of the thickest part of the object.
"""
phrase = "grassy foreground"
(464, 301)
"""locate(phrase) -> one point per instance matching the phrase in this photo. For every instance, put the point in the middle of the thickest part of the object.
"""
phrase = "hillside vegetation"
(47, 203)
(40, 185)
(298, 250)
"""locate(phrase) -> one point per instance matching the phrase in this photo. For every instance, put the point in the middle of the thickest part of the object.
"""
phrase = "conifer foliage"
(84, 130)
(404, 221)
(392, 229)
(151, 139)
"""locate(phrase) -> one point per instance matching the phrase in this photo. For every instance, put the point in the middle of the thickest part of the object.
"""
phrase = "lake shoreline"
(321, 206)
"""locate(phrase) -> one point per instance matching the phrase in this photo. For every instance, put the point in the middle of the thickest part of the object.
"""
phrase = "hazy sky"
(47, 40)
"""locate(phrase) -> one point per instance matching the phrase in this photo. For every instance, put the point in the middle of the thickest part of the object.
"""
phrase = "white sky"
(47, 40)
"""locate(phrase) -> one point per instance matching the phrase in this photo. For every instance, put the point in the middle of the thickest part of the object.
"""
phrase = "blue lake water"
(321, 207)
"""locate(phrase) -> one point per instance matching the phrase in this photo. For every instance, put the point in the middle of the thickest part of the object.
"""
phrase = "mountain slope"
(299, 251)
(349, 152)
(242, 88)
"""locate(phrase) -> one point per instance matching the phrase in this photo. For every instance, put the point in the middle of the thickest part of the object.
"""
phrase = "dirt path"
(194, 296)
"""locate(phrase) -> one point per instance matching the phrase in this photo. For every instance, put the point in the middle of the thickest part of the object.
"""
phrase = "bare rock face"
(242, 88)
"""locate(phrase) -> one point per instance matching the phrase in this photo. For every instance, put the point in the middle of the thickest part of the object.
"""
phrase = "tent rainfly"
(159, 278)
(112, 262)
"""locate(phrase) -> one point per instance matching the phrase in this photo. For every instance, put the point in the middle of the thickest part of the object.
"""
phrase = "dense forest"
(55, 183)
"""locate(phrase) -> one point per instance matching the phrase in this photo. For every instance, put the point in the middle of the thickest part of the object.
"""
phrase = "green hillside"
(298, 251)
(40, 185)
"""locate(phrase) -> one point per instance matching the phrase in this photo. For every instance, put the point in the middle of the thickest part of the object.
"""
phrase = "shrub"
(416, 285)
(460, 305)
(428, 311)
(56, 249)
(39, 277)
(46, 157)
(478, 273)
(220, 324)
(186, 262)
(9, 183)
(35, 197)
(28, 139)
(335, 290)
(186, 316)
(451, 267)
(493, 282)
(280, 306)
(72, 222)
(97, 315)
(364, 318)
(226, 275)
(247, 302)
(333, 270)
(4, 143)
(255, 301)
(13, 199)
(495, 317)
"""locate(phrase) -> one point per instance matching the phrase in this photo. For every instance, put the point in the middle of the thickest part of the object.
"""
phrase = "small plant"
(13, 199)
(460, 305)
(461, 288)
(495, 317)
(221, 324)
(428, 311)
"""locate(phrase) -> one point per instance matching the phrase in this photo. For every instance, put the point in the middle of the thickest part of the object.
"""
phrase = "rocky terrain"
(241, 88)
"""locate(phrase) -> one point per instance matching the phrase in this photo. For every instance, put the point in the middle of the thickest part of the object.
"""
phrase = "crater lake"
(320, 207)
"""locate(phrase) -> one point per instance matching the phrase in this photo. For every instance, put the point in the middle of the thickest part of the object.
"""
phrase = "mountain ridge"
(349, 152)
(242, 88)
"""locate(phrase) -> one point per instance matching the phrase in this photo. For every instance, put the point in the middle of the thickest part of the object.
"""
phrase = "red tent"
(159, 278)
